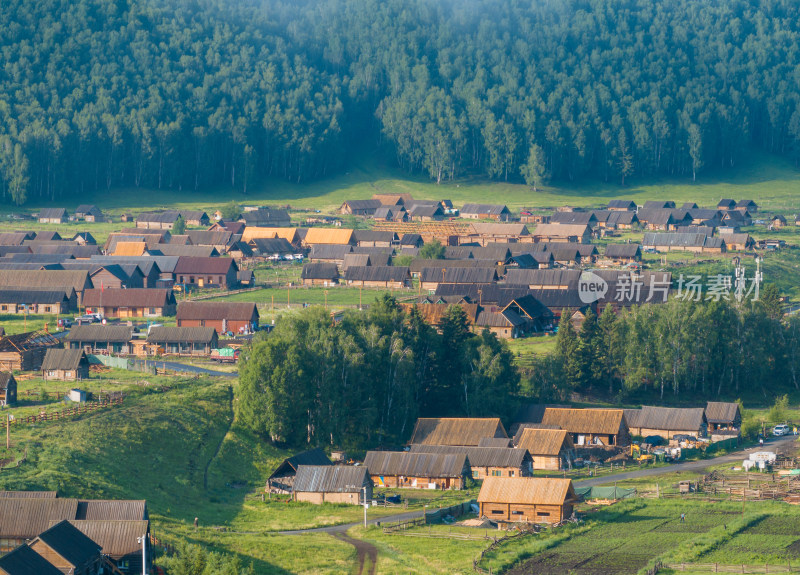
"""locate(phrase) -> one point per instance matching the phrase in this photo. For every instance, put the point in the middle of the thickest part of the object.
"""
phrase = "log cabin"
(590, 426)
(462, 431)
(550, 449)
(487, 461)
(526, 499)
(417, 470)
(65, 365)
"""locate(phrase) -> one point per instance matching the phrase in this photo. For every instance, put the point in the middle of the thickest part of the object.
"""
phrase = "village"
(92, 300)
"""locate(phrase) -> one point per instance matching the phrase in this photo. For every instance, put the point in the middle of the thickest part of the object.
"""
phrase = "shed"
(332, 484)
(550, 449)
(8, 388)
(486, 211)
(526, 499)
(417, 470)
(77, 395)
(723, 416)
(486, 461)
(282, 479)
(65, 365)
(463, 431)
(25, 351)
(89, 213)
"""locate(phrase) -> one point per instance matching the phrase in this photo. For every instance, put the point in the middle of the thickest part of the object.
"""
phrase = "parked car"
(781, 429)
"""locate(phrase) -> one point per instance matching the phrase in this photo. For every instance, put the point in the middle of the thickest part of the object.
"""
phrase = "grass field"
(772, 181)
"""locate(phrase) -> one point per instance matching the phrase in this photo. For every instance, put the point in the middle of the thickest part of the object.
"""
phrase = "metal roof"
(464, 431)
(208, 310)
(330, 479)
(311, 457)
(25, 518)
(121, 509)
(25, 561)
(414, 464)
(162, 334)
(667, 418)
(103, 333)
(116, 538)
(598, 421)
(70, 543)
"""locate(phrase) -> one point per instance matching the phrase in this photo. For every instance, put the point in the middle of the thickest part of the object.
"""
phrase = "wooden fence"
(719, 568)
(87, 407)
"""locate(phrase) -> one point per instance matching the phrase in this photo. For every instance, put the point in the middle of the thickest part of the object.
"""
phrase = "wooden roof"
(119, 509)
(544, 441)
(63, 359)
(504, 456)
(561, 230)
(597, 421)
(722, 412)
(21, 342)
(666, 418)
(289, 234)
(319, 271)
(131, 297)
(163, 334)
(130, 249)
(70, 543)
(25, 518)
(117, 538)
(329, 236)
(413, 464)
(28, 494)
(210, 310)
(527, 490)
(60, 279)
(103, 333)
(463, 431)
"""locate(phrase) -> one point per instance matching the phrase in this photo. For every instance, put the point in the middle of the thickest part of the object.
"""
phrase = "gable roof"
(722, 412)
(330, 251)
(70, 543)
(104, 333)
(377, 273)
(598, 421)
(495, 442)
(666, 418)
(561, 230)
(130, 297)
(491, 209)
(62, 359)
(414, 464)
(51, 213)
(459, 275)
(463, 431)
(622, 204)
(544, 441)
(358, 205)
(330, 478)
(503, 456)
(159, 334)
(25, 561)
(24, 518)
(197, 310)
(117, 538)
(329, 236)
(530, 490)
(55, 279)
(201, 265)
(32, 296)
(120, 509)
(623, 250)
(319, 271)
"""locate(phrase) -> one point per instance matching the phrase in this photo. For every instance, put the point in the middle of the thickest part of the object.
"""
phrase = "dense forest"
(364, 381)
(680, 350)
(175, 94)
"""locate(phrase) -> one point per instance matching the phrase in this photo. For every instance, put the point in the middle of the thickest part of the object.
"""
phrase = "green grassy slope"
(772, 181)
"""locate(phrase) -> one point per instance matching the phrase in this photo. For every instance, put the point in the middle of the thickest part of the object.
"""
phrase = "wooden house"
(128, 303)
(590, 426)
(622, 254)
(119, 540)
(89, 213)
(375, 238)
(53, 216)
(25, 561)
(737, 242)
(621, 220)
(266, 218)
(562, 233)
(360, 207)
(8, 389)
(726, 204)
(69, 550)
(335, 236)
(659, 205)
(207, 272)
(320, 274)
(417, 470)
(43, 302)
(22, 518)
(575, 219)
(666, 421)
(394, 199)
(550, 449)
(432, 277)
(394, 277)
(184, 340)
(100, 338)
(65, 365)
(236, 317)
(49, 280)
(486, 212)
(724, 419)
(166, 220)
(526, 499)
(271, 248)
(622, 206)
(419, 212)
(504, 323)
(332, 484)
(282, 479)
(25, 351)
(461, 431)
(747, 206)
(777, 221)
(486, 461)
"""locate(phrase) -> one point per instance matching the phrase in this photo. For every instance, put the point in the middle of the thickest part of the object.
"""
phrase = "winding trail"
(221, 441)
(365, 552)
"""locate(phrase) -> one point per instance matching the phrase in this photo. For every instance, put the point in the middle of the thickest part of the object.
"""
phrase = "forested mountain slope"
(179, 94)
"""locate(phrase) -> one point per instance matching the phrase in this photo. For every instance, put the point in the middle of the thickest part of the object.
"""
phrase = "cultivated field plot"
(625, 543)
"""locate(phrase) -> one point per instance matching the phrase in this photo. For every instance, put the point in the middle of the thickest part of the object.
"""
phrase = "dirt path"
(221, 441)
(770, 445)
(367, 554)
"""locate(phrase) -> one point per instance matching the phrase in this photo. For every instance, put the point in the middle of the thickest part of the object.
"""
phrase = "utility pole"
(365, 506)
(143, 541)
(8, 431)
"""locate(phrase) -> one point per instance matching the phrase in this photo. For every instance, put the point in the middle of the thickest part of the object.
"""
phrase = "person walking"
(683, 517)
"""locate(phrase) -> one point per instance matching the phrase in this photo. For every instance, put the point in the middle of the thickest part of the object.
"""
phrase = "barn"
(666, 421)
(549, 449)
(590, 426)
(526, 499)
(332, 484)
(494, 461)
(320, 274)
(25, 351)
(184, 340)
(65, 365)
(282, 479)
(53, 216)
(462, 431)
(417, 470)
(395, 277)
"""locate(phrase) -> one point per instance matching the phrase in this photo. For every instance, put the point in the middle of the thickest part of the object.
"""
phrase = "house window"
(542, 514)
(152, 311)
(497, 512)
(497, 473)
(475, 474)
(47, 309)
(516, 513)
(4, 307)
(512, 473)
(51, 373)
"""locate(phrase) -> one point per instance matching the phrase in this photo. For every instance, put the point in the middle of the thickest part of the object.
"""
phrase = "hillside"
(102, 94)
